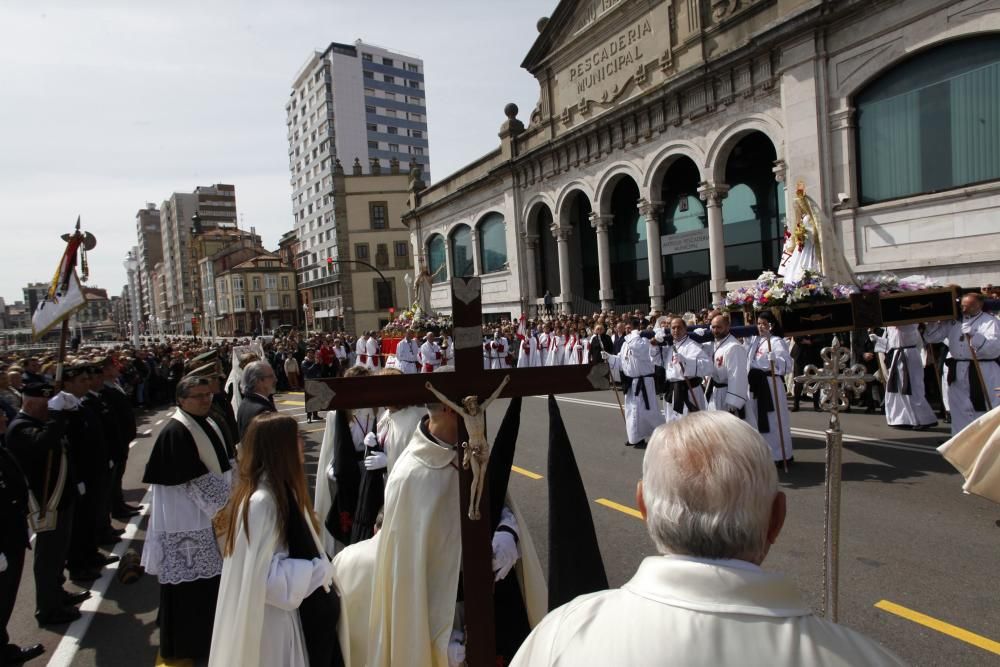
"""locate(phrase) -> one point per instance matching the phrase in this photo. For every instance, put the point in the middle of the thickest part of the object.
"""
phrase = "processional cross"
(833, 382)
(470, 380)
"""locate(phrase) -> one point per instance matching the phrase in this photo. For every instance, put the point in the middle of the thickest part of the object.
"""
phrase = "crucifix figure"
(477, 447)
(833, 382)
(469, 380)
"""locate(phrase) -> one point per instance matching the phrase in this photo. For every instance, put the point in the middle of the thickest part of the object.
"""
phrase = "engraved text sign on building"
(610, 65)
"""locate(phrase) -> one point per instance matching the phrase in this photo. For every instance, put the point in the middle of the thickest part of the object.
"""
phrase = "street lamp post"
(408, 279)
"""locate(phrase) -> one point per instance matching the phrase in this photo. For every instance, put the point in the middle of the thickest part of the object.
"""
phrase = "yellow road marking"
(624, 509)
(526, 473)
(182, 662)
(940, 626)
(313, 430)
(295, 393)
(292, 402)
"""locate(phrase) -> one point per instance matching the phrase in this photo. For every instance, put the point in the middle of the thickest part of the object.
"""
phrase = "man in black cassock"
(259, 382)
(190, 475)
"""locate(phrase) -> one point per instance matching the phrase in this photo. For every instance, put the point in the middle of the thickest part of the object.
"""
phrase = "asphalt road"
(909, 537)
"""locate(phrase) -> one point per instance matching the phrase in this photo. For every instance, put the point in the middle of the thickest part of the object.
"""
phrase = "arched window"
(436, 259)
(931, 123)
(462, 264)
(493, 243)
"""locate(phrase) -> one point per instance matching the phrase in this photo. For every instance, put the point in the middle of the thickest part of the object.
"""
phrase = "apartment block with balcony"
(150, 244)
(256, 295)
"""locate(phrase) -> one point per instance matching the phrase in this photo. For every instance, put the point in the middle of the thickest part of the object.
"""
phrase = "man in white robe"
(557, 341)
(969, 395)
(727, 386)
(528, 357)
(354, 572)
(430, 354)
(544, 343)
(413, 619)
(373, 350)
(709, 496)
(635, 363)
(905, 400)
(686, 364)
(767, 402)
(406, 354)
(361, 350)
(189, 476)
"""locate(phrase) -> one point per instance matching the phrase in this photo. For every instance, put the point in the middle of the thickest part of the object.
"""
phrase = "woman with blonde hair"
(276, 601)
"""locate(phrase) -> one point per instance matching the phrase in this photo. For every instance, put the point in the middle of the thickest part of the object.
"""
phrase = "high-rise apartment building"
(215, 206)
(356, 103)
(147, 228)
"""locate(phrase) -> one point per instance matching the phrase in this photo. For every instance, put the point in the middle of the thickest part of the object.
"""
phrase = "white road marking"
(857, 439)
(70, 643)
(133, 444)
(159, 422)
(148, 431)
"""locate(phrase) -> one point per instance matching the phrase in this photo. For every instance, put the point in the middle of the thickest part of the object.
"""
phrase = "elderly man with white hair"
(709, 496)
(258, 386)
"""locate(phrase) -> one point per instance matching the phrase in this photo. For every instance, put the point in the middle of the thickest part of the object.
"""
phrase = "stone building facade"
(257, 295)
(656, 168)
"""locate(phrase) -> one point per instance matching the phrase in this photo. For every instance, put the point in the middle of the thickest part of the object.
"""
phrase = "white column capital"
(649, 209)
(601, 222)
(530, 240)
(713, 193)
(780, 170)
(561, 234)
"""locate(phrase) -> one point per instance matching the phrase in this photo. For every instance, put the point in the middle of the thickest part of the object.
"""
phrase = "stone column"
(713, 194)
(561, 235)
(477, 268)
(650, 210)
(449, 269)
(530, 248)
(601, 223)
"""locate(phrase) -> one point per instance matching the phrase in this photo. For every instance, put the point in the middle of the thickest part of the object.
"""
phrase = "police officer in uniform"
(40, 446)
(106, 444)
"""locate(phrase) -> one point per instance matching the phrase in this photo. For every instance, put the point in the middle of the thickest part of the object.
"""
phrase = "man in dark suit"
(125, 432)
(13, 542)
(600, 342)
(259, 381)
(618, 340)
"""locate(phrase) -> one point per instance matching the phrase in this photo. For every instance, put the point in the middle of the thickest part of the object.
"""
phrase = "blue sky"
(113, 104)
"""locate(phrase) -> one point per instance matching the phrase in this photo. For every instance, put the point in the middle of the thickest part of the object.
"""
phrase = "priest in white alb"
(727, 384)
(709, 496)
(686, 365)
(190, 476)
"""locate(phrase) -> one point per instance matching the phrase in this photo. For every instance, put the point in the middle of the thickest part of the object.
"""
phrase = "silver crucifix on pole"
(833, 381)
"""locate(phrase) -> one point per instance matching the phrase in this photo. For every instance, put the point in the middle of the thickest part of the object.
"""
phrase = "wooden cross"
(833, 382)
(469, 378)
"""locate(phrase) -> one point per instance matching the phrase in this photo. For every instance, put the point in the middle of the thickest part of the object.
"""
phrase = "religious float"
(413, 319)
(814, 290)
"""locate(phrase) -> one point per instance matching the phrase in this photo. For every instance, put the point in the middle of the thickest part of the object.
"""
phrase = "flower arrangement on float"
(414, 318)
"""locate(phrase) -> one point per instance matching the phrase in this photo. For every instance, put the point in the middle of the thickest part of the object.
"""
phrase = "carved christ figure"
(477, 449)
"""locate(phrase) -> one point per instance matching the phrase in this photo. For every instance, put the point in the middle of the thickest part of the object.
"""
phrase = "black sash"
(679, 395)
(640, 388)
(712, 384)
(319, 612)
(899, 359)
(976, 394)
(757, 380)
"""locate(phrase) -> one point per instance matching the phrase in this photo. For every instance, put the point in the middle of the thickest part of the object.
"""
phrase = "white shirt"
(695, 612)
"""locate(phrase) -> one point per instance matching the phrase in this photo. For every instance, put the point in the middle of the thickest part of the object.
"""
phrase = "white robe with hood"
(256, 617)
(419, 557)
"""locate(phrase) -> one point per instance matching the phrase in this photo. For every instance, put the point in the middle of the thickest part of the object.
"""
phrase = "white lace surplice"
(180, 542)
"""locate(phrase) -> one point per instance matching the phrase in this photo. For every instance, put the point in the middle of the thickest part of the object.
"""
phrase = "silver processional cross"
(833, 381)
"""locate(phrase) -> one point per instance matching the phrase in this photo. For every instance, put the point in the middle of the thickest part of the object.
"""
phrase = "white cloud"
(114, 104)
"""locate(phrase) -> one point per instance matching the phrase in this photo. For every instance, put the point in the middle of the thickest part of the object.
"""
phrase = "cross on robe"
(469, 378)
